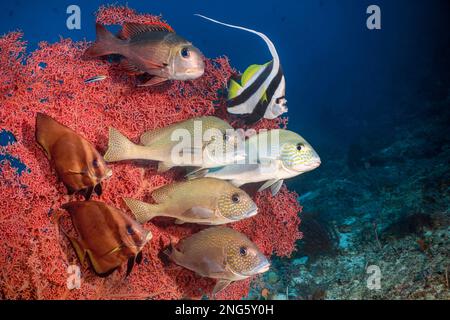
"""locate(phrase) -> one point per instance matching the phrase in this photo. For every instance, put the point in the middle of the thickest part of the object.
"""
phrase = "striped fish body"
(271, 157)
(265, 160)
(261, 95)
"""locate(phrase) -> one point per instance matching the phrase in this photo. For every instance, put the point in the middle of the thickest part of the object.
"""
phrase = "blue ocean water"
(340, 75)
(373, 103)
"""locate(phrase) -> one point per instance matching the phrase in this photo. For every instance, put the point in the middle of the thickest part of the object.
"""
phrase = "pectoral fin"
(88, 193)
(199, 213)
(275, 188)
(220, 285)
(178, 221)
(198, 173)
(130, 68)
(130, 266)
(164, 166)
(139, 257)
(153, 81)
(79, 249)
(98, 189)
(268, 184)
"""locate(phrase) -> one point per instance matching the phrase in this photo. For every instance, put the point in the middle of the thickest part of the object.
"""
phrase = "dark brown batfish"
(106, 236)
(77, 163)
(153, 52)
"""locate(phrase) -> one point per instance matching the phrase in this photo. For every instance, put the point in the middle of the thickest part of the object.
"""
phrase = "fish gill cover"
(34, 253)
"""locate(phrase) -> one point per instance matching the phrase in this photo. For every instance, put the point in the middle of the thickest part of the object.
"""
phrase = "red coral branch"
(34, 255)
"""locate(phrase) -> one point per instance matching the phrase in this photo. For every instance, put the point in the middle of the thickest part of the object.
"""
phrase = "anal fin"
(151, 82)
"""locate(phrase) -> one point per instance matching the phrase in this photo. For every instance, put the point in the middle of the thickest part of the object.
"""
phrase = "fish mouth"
(194, 73)
(308, 167)
(315, 164)
(264, 267)
(252, 211)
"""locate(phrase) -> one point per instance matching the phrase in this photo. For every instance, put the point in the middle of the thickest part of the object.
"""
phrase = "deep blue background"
(342, 79)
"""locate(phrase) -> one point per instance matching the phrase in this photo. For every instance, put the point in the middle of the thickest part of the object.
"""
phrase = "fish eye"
(130, 230)
(95, 163)
(185, 52)
(300, 146)
(280, 100)
(226, 137)
(243, 251)
(235, 198)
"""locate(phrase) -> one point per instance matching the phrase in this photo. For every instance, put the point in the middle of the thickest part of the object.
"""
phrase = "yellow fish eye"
(300, 146)
(235, 198)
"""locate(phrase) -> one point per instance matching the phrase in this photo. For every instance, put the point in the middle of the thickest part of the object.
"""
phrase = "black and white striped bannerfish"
(261, 91)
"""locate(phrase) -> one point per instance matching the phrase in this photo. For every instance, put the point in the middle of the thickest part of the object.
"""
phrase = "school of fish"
(220, 162)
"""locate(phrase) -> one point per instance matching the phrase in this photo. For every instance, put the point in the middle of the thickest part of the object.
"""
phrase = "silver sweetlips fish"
(271, 157)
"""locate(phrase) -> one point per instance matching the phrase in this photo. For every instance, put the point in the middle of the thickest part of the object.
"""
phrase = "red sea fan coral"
(34, 254)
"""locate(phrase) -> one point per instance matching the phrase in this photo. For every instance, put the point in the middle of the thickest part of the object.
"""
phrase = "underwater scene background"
(372, 222)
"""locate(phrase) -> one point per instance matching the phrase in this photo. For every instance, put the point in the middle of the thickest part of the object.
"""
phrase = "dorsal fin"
(233, 89)
(131, 29)
(249, 73)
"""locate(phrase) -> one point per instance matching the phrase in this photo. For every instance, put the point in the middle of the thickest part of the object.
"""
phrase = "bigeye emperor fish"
(204, 201)
(261, 91)
(106, 236)
(153, 52)
(271, 157)
(78, 164)
(204, 142)
(219, 253)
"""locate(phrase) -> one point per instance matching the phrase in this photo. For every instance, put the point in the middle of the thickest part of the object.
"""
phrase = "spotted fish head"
(298, 155)
(245, 259)
(235, 204)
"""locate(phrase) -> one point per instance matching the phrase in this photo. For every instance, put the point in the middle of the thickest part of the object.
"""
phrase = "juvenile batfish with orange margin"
(159, 145)
(150, 49)
(220, 253)
(203, 201)
(106, 236)
(78, 164)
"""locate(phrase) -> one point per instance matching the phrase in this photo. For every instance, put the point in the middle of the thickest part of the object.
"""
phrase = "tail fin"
(141, 210)
(106, 43)
(119, 147)
(269, 43)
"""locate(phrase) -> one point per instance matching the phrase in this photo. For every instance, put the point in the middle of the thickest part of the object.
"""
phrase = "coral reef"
(319, 238)
(388, 201)
(35, 254)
